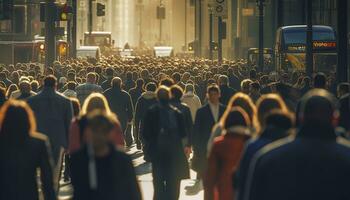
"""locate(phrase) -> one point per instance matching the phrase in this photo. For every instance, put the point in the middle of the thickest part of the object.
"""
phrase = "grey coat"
(53, 113)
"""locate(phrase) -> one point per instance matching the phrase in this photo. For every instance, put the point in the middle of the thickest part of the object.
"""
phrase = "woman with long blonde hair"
(94, 101)
(238, 100)
(22, 152)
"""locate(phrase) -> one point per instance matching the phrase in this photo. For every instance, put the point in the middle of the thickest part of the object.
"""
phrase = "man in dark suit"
(314, 164)
(226, 91)
(120, 103)
(53, 113)
(206, 118)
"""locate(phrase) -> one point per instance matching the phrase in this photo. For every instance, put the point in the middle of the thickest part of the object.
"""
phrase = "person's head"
(129, 76)
(320, 80)
(117, 83)
(176, 77)
(109, 72)
(223, 80)
(50, 82)
(24, 87)
(163, 94)
(168, 82)
(176, 92)
(98, 128)
(71, 76)
(3, 76)
(255, 87)
(17, 121)
(189, 88)
(245, 86)
(76, 106)
(139, 83)
(235, 117)
(213, 94)
(71, 85)
(91, 78)
(245, 102)
(306, 81)
(266, 104)
(279, 119)
(318, 107)
(253, 74)
(151, 87)
(342, 89)
(95, 101)
(10, 89)
(34, 85)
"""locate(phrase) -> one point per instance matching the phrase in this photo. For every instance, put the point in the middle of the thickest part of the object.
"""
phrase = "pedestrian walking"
(164, 130)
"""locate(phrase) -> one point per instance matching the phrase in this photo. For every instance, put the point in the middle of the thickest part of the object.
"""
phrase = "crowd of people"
(247, 135)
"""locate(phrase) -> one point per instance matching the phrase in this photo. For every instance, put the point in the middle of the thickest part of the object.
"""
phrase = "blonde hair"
(95, 101)
(268, 102)
(242, 100)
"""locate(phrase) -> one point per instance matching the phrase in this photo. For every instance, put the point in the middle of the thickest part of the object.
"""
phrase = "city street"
(144, 176)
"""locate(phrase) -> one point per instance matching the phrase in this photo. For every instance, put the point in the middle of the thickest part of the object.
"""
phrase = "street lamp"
(261, 4)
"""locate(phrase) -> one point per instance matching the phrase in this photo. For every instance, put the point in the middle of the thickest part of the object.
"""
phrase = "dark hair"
(167, 82)
(320, 80)
(176, 92)
(109, 71)
(176, 76)
(344, 87)
(2, 96)
(255, 85)
(279, 119)
(151, 87)
(71, 85)
(139, 82)
(50, 81)
(19, 112)
(236, 117)
(213, 88)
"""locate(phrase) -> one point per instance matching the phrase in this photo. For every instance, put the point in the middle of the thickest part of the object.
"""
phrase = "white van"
(89, 51)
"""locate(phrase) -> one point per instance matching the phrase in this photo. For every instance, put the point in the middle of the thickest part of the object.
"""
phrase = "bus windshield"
(299, 37)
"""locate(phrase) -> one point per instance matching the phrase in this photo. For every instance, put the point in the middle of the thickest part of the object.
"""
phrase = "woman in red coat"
(225, 155)
(95, 101)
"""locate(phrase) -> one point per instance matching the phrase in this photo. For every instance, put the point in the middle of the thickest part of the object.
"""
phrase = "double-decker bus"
(290, 48)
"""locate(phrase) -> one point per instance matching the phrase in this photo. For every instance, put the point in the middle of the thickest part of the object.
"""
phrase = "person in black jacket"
(109, 76)
(22, 152)
(176, 93)
(146, 100)
(120, 103)
(226, 91)
(164, 130)
(207, 116)
(99, 170)
(314, 164)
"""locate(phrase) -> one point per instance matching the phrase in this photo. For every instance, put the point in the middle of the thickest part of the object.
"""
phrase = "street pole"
(50, 43)
(309, 43)
(160, 24)
(261, 35)
(90, 16)
(185, 25)
(220, 39)
(210, 34)
(74, 30)
(342, 43)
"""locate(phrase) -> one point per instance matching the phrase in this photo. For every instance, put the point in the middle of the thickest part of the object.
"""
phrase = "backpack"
(167, 137)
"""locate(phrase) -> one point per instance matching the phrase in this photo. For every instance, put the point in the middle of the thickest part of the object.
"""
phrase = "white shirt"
(214, 111)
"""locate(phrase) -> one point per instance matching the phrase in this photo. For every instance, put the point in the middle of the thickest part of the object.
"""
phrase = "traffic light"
(63, 10)
(6, 8)
(101, 9)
